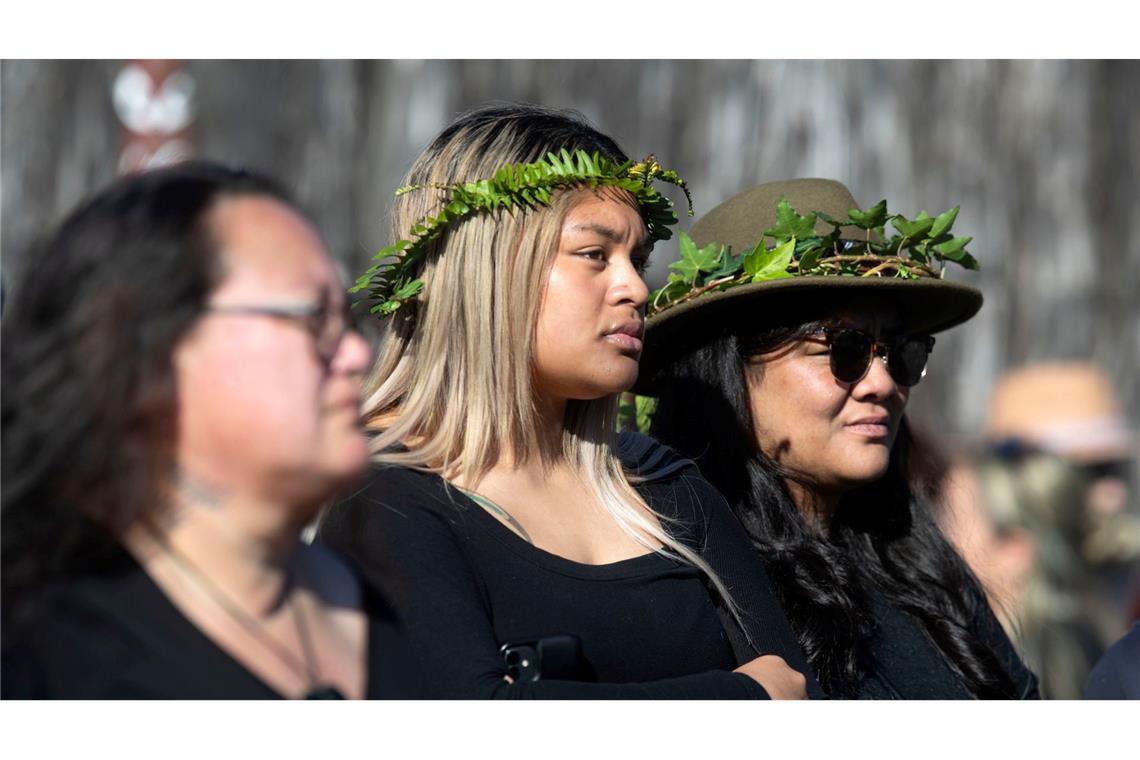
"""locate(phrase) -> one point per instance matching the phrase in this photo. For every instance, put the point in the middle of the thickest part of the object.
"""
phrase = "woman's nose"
(631, 286)
(353, 354)
(877, 383)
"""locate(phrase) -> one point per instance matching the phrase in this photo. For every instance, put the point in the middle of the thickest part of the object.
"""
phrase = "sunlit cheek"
(811, 388)
(773, 440)
(772, 420)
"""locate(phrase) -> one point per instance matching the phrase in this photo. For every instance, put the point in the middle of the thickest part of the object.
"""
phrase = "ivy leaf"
(762, 264)
(876, 216)
(829, 219)
(686, 269)
(913, 229)
(954, 249)
(727, 265)
(969, 262)
(695, 260)
(789, 224)
(943, 222)
(810, 259)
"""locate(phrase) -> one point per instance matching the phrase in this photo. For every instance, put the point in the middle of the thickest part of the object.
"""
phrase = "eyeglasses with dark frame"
(851, 352)
(326, 326)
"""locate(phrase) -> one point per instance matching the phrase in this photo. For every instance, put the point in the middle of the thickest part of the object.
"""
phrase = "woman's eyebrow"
(609, 233)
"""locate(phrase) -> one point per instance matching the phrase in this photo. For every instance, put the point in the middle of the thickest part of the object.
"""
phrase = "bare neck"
(532, 466)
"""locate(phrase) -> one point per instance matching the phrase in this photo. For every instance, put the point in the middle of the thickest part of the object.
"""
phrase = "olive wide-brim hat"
(927, 304)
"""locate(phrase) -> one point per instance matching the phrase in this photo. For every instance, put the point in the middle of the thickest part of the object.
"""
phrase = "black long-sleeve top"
(463, 585)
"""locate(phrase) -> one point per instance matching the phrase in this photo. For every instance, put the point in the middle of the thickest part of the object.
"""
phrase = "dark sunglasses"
(851, 352)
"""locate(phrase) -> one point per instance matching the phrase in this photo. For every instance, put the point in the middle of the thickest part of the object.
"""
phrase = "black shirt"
(114, 635)
(464, 585)
(905, 664)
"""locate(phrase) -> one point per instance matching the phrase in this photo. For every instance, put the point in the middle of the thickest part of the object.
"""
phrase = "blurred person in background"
(504, 513)
(1117, 674)
(788, 383)
(1069, 409)
(1017, 516)
(181, 395)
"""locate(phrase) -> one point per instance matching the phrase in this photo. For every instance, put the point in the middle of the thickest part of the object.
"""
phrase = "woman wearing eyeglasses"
(181, 396)
(785, 373)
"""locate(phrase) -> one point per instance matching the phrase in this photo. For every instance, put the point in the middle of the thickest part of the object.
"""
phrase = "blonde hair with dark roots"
(452, 389)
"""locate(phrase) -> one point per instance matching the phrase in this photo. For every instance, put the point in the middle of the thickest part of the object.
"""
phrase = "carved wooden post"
(154, 100)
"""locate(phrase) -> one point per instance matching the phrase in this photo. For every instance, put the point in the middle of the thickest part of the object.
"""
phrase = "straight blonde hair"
(452, 389)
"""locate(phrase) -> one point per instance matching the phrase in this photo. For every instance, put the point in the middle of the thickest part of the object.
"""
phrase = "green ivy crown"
(919, 249)
(392, 279)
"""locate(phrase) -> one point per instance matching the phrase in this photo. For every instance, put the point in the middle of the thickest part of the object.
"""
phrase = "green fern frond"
(390, 281)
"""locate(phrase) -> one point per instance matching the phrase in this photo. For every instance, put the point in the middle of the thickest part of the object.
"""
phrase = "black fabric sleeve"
(408, 541)
(725, 546)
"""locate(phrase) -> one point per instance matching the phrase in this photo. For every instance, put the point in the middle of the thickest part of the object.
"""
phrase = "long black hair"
(88, 410)
(883, 538)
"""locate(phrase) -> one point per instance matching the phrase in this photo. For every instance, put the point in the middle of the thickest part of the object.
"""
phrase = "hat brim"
(923, 306)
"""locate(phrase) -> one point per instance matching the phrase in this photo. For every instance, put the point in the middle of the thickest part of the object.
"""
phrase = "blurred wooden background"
(1043, 156)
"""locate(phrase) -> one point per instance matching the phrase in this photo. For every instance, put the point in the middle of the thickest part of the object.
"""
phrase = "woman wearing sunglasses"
(785, 374)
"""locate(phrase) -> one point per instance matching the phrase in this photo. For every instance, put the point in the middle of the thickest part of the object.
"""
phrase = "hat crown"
(741, 220)
(827, 253)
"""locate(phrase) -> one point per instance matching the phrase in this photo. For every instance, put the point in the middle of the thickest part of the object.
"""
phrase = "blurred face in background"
(588, 339)
(1002, 556)
(269, 379)
(832, 436)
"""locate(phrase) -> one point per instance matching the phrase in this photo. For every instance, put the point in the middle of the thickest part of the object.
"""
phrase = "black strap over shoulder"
(647, 458)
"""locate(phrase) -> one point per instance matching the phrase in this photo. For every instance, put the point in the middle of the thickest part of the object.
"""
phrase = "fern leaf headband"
(392, 279)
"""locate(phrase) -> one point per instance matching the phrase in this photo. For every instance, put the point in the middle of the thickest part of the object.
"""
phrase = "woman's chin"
(864, 473)
(624, 377)
(609, 384)
(348, 459)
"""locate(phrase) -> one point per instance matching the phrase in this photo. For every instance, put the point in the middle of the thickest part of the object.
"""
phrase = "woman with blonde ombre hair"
(528, 551)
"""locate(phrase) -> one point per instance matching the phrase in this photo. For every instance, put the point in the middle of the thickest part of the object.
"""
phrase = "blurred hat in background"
(1068, 408)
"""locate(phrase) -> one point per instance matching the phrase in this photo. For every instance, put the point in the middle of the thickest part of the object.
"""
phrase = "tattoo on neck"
(194, 491)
